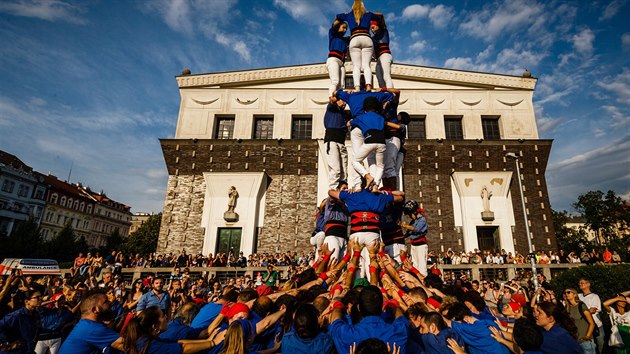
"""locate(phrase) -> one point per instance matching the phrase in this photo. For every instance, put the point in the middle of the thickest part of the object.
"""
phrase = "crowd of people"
(326, 306)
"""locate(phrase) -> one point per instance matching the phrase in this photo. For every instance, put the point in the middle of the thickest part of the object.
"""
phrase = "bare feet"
(368, 180)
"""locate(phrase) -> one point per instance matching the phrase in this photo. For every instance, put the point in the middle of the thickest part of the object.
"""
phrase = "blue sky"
(90, 84)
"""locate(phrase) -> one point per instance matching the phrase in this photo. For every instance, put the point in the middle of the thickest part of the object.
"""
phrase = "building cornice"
(317, 71)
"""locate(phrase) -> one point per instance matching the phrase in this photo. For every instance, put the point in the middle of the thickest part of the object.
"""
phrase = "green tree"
(25, 241)
(144, 240)
(608, 215)
(63, 247)
(569, 239)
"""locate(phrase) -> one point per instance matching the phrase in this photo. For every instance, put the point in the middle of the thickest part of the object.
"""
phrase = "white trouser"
(317, 240)
(337, 245)
(356, 140)
(393, 250)
(384, 70)
(363, 151)
(361, 51)
(337, 160)
(364, 239)
(419, 257)
(399, 162)
(392, 145)
(337, 74)
(48, 346)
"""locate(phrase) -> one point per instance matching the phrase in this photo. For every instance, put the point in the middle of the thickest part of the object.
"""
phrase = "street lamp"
(529, 240)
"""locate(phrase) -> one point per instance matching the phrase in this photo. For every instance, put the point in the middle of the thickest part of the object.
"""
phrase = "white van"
(30, 266)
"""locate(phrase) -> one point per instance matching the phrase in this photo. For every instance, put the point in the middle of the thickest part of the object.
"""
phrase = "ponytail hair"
(561, 316)
(234, 343)
(142, 325)
(358, 9)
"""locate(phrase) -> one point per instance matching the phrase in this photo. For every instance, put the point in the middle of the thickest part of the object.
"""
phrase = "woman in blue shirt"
(361, 47)
(337, 48)
(560, 336)
(142, 333)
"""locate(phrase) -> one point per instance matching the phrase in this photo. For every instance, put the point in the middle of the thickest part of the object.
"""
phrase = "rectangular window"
(490, 126)
(23, 191)
(7, 186)
(263, 127)
(453, 127)
(302, 126)
(224, 127)
(39, 193)
(349, 82)
(417, 128)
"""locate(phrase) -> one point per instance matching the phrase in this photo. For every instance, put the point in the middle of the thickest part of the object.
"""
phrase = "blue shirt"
(364, 21)
(355, 99)
(52, 320)
(344, 333)
(478, 337)
(177, 330)
(158, 346)
(334, 118)
(88, 337)
(150, 299)
(206, 315)
(20, 324)
(336, 41)
(365, 201)
(437, 344)
(368, 121)
(321, 344)
(558, 340)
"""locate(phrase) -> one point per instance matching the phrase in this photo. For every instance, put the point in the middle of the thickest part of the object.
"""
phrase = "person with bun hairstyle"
(560, 336)
(360, 46)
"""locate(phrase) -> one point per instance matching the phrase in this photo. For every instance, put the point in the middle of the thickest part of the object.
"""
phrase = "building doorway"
(488, 238)
(229, 240)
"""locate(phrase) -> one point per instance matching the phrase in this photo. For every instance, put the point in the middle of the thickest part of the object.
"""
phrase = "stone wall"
(291, 197)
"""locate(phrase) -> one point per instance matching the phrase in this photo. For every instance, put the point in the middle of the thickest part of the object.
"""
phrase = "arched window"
(63, 201)
(76, 205)
(69, 204)
(82, 207)
(89, 209)
(53, 198)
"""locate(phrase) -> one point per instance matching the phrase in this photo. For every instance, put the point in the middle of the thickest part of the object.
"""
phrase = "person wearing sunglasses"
(582, 318)
(19, 328)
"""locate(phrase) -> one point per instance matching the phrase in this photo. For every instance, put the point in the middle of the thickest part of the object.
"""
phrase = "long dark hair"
(560, 315)
(142, 325)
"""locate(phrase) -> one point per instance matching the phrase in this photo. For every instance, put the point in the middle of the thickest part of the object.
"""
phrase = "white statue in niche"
(485, 198)
(230, 215)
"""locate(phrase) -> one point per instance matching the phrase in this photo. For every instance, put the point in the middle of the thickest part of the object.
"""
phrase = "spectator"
(155, 297)
(19, 328)
(594, 305)
(560, 336)
(581, 316)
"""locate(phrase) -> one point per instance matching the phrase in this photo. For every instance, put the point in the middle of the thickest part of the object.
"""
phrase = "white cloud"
(418, 46)
(612, 9)
(49, 10)
(416, 11)
(441, 15)
(618, 118)
(618, 85)
(212, 19)
(438, 15)
(314, 13)
(599, 133)
(414, 34)
(583, 42)
(501, 18)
